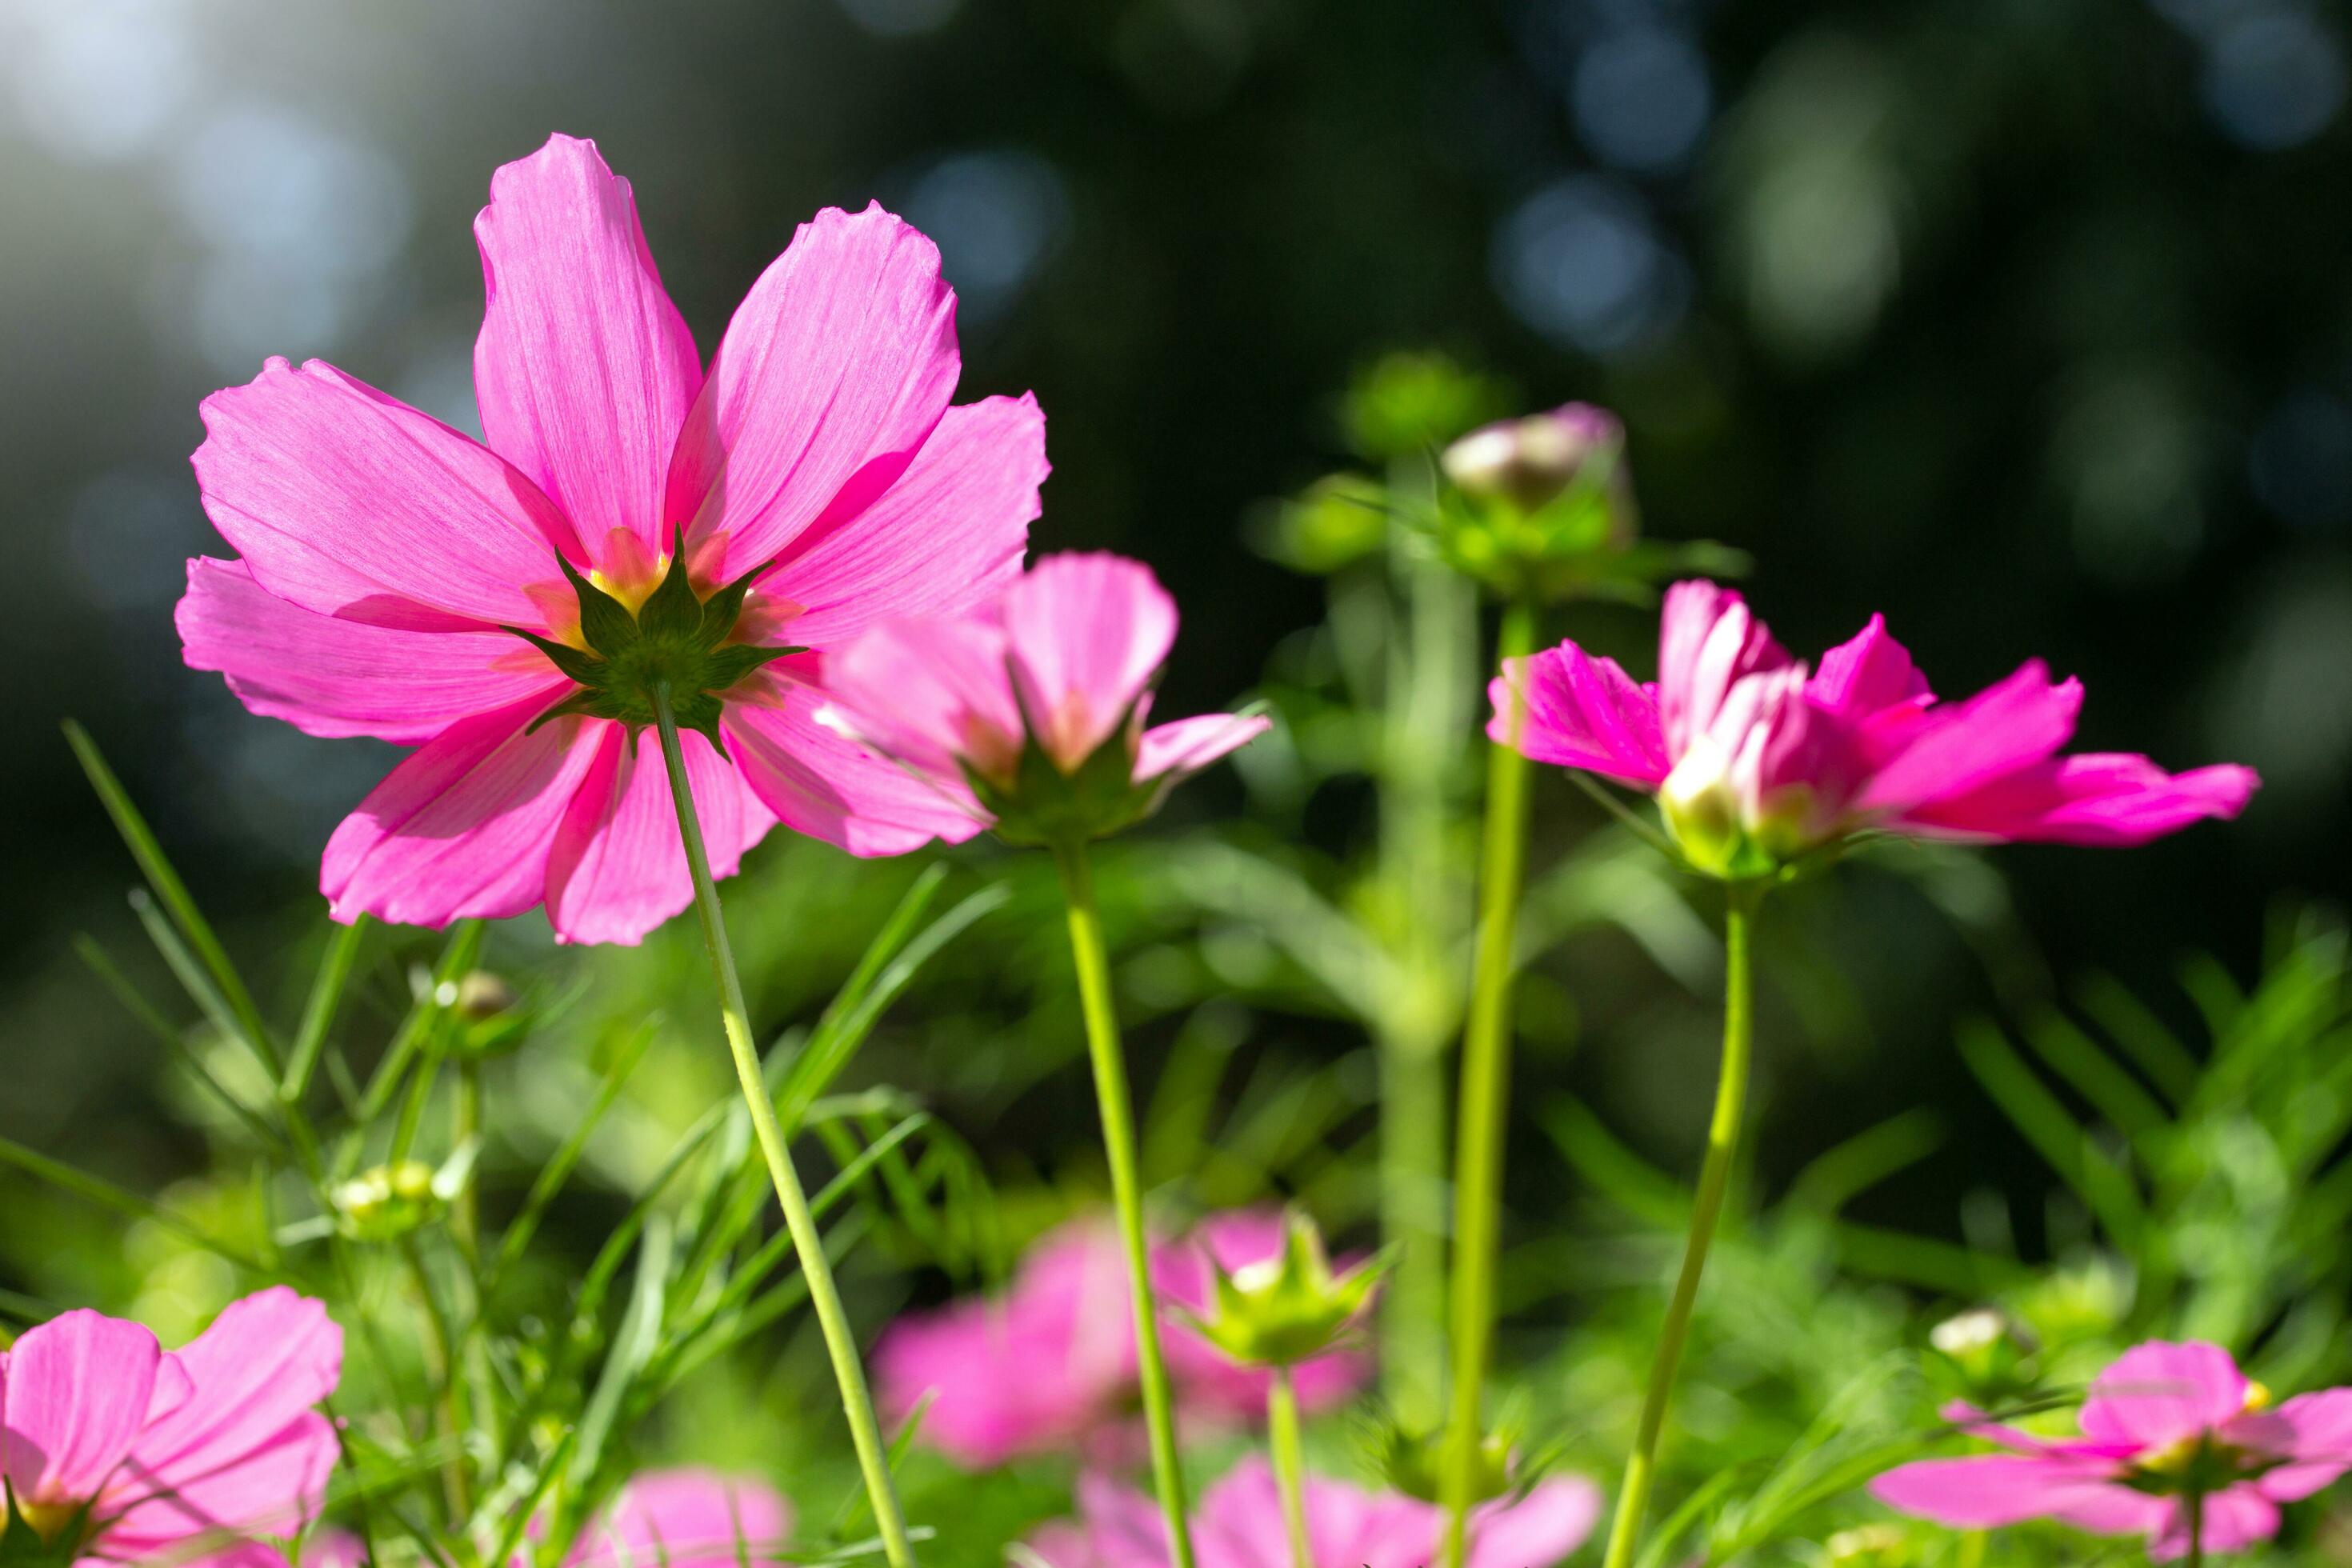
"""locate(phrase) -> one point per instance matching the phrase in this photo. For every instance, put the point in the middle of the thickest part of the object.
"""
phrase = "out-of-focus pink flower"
(138, 1453)
(1031, 712)
(686, 1519)
(1755, 759)
(1238, 1523)
(388, 561)
(1051, 1365)
(2163, 1419)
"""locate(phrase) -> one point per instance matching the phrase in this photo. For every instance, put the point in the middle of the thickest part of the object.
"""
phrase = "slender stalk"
(465, 1126)
(2196, 1558)
(1086, 951)
(1713, 1181)
(450, 1403)
(1289, 1467)
(856, 1403)
(1485, 1100)
(1425, 696)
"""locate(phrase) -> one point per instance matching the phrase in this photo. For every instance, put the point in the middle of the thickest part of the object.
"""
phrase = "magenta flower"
(117, 1450)
(495, 606)
(1239, 1524)
(2163, 1421)
(1051, 1365)
(1755, 759)
(1030, 714)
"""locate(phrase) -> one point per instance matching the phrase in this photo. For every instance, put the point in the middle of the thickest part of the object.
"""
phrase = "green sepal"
(605, 624)
(725, 605)
(671, 610)
(585, 702)
(1042, 805)
(574, 664)
(737, 661)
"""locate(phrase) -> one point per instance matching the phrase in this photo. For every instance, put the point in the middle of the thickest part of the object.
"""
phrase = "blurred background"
(2028, 322)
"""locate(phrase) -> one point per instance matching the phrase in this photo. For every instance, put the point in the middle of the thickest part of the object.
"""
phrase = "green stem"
(451, 1399)
(1713, 1181)
(1425, 713)
(856, 1403)
(465, 1208)
(1289, 1467)
(2196, 1558)
(1485, 1099)
(1086, 951)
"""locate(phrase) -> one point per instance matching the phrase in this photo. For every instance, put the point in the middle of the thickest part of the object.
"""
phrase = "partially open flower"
(1030, 714)
(1289, 1308)
(1756, 760)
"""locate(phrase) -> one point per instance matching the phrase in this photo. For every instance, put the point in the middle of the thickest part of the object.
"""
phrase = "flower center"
(647, 636)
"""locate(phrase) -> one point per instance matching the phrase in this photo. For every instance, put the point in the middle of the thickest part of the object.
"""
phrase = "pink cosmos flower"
(1046, 692)
(1755, 759)
(136, 1453)
(1051, 1365)
(1239, 1524)
(399, 580)
(2163, 1419)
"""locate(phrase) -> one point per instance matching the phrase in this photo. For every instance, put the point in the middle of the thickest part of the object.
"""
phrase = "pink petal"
(1086, 633)
(79, 1389)
(1582, 713)
(1867, 673)
(930, 695)
(687, 1519)
(2001, 1488)
(348, 502)
(2159, 1393)
(2106, 799)
(835, 369)
(618, 867)
(1709, 640)
(1547, 1524)
(336, 677)
(584, 370)
(947, 537)
(2233, 1521)
(827, 786)
(1185, 746)
(2314, 1432)
(266, 1361)
(464, 826)
(269, 1487)
(1960, 746)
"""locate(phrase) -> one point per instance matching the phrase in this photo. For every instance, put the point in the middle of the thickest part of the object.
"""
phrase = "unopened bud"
(1532, 462)
(1415, 1463)
(1288, 1307)
(1985, 1355)
(482, 995)
(388, 1202)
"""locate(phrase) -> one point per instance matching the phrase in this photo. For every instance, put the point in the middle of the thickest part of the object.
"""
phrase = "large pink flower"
(2163, 1419)
(1755, 758)
(388, 563)
(1051, 1365)
(1035, 705)
(136, 1452)
(1239, 1524)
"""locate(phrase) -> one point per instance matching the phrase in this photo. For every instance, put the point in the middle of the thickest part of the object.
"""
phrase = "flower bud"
(1289, 1308)
(388, 1202)
(1414, 1462)
(1534, 461)
(1985, 1355)
(481, 996)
